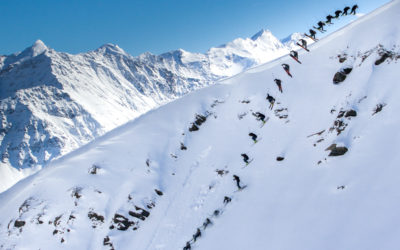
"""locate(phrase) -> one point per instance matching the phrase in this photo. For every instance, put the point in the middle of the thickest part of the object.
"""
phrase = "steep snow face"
(52, 103)
(323, 174)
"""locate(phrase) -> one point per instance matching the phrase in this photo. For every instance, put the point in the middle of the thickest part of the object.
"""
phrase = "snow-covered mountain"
(323, 174)
(52, 103)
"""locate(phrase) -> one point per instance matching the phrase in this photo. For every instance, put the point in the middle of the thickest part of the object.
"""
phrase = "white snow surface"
(310, 200)
(52, 103)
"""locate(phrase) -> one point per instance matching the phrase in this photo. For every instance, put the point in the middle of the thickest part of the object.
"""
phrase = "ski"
(297, 60)
(240, 189)
(303, 47)
(322, 31)
(314, 39)
(263, 122)
(259, 139)
(248, 163)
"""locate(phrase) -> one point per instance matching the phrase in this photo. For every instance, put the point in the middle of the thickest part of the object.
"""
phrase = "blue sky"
(156, 26)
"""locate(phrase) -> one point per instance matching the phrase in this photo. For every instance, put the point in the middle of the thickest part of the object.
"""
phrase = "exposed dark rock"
(336, 151)
(341, 187)
(95, 217)
(76, 192)
(200, 119)
(383, 57)
(339, 126)
(144, 212)
(107, 242)
(193, 128)
(137, 215)
(341, 114)
(122, 222)
(158, 192)
(57, 220)
(183, 147)
(339, 77)
(280, 158)
(351, 113)
(19, 223)
(378, 108)
(151, 205)
(55, 231)
(93, 169)
(222, 172)
(347, 70)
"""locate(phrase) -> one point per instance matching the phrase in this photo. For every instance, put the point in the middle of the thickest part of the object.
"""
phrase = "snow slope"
(151, 183)
(52, 103)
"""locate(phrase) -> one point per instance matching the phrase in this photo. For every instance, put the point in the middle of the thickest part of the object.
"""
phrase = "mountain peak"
(38, 48)
(110, 48)
(261, 33)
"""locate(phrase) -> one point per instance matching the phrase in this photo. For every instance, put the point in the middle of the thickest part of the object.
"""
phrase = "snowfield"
(151, 183)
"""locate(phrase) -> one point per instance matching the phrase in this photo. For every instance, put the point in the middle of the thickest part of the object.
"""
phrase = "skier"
(295, 56)
(286, 67)
(253, 136)
(337, 13)
(345, 10)
(312, 33)
(260, 116)
(245, 158)
(271, 101)
(206, 223)
(353, 9)
(329, 19)
(303, 43)
(321, 26)
(279, 84)
(227, 199)
(187, 247)
(196, 235)
(237, 179)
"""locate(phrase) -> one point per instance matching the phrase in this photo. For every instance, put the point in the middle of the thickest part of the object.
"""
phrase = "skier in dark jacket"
(279, 84)
(312, 33)
(353, 10)
(188, 246)
(260, 116)
(345, 11)
(337, 13)
(245, 159)
(206, 223)
(303, 43)
(227, 199)
(253, 136)
(286, 67)
(237, 179)
(320, 26)
(329, 19)
(294, 54)
(271, 100)
(196, 235)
